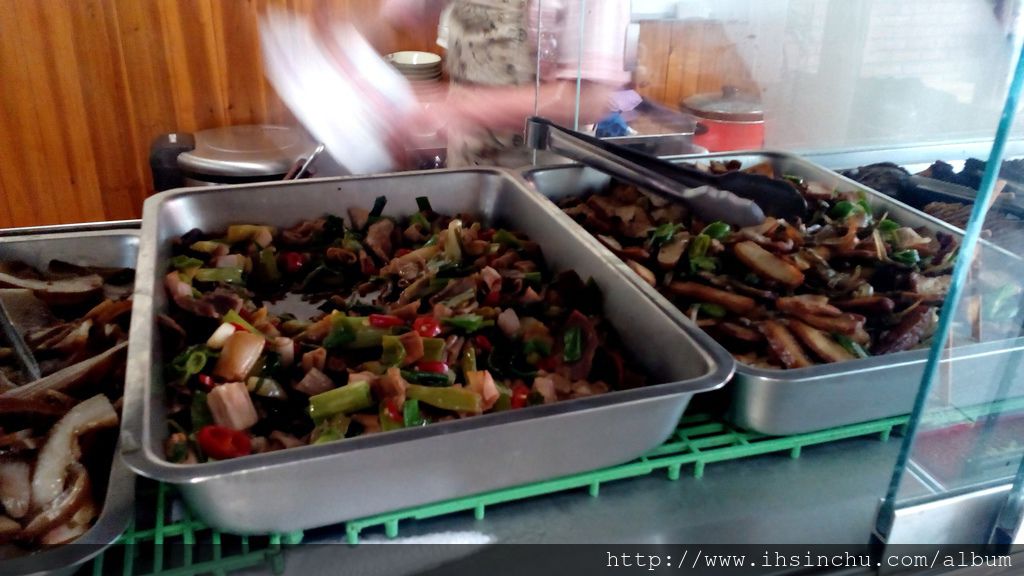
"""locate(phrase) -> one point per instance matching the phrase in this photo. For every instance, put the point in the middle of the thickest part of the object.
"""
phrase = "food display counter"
(807, 491)
(813, 343)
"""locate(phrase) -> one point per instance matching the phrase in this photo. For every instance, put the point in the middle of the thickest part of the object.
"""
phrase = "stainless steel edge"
(331, 483)
(78, 227)
(923, 153)
(89, 244)
(782, 402)
(964, 516)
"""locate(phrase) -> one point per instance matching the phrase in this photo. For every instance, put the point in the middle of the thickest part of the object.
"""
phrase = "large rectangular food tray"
(320, 485)
(783, 402)
(89, 245)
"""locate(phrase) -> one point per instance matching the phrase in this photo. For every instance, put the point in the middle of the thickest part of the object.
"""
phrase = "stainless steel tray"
(319, 485)
(94, 245)
(780, 402)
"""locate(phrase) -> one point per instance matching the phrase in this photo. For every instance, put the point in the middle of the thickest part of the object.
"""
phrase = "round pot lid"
(250, 150)
(730, 105)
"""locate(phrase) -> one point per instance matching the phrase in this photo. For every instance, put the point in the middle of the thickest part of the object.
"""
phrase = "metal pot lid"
(730, 105)
(250, 150)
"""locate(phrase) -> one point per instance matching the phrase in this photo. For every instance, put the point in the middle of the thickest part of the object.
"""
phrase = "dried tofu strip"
(768, 265)
(820, 343)
(701, 293)
(851, 325)
(807, 304)
(785, 346)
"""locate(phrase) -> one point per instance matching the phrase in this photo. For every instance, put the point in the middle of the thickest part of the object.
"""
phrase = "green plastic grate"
(166, 539)
(699, 440)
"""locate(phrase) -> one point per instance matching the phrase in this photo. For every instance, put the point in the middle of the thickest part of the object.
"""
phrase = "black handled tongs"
(736, 198)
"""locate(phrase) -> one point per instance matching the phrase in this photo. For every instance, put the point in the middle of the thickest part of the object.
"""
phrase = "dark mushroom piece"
(873, 305)
(907, 334)
(62, 506)
(59, 292)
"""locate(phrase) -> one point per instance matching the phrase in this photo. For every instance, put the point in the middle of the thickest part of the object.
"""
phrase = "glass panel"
(821, 74)
(854, 75)
(1009, 528)
(967, 429)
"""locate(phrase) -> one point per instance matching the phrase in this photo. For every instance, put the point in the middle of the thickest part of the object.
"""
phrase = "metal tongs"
(736, 198)
(29, 366)
(301, 166)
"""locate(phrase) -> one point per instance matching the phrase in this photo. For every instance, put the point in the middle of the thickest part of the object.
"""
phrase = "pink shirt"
(604, 25)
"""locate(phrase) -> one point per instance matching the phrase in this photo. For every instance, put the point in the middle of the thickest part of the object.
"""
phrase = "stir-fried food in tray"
(424, 319)
(1001, 226)
(57, 433)
(845, 282)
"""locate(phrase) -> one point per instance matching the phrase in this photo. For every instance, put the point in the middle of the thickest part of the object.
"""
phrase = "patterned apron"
(489, 45)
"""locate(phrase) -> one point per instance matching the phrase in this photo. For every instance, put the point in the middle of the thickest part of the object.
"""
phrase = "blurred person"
(492, 61)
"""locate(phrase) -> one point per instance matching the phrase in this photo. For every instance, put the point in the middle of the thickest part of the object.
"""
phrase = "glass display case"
(962, 452)
(906, 98)
(862, 273)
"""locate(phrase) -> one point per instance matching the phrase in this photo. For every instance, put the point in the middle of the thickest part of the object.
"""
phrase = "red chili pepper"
(366, 265)
(293, 261)
(549, 364)
(483, 343)
(427, 326)
(222, 443)
(432, 366)
(392, 407)
(385, 321)
(239, 326)
(492, 298)
(402, 252)
(206, 381)
(520, 395)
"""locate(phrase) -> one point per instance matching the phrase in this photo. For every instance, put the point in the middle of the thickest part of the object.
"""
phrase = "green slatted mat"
(166, 539)
(699, 440)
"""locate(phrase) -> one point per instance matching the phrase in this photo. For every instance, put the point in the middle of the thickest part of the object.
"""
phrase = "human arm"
(506, 108)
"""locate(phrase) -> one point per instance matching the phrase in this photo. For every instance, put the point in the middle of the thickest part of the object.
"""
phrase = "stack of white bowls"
(421, 69)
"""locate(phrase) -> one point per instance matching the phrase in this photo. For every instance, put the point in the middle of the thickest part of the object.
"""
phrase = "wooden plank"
(692, 61)
(39, 119)
(712, 47)
(237, 50)
(109, 112)
(88, 84)
(5, 212)
(652, 58)
(681, 44)
(147, 80)
(16, 115)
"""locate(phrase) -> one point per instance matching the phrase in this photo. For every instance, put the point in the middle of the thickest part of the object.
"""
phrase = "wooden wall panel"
(88, 84)
(679, 58)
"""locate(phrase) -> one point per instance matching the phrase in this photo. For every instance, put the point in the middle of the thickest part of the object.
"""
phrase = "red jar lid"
(729, 105)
